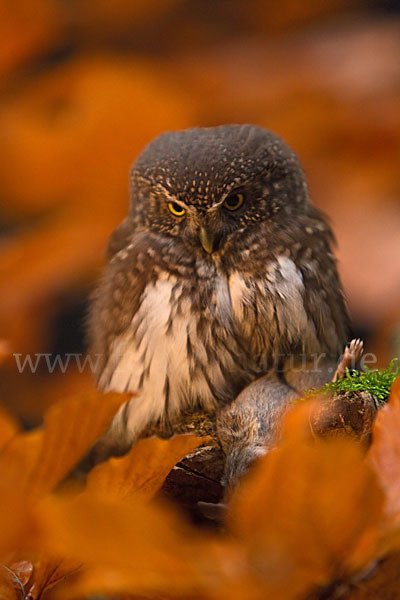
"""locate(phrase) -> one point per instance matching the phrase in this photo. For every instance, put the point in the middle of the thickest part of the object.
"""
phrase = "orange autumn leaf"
(126, 547)
(17, 521)
(35, 462)
(49, 572)
(211, 572)
(309, 512)
(23, 570)
(381, 584)
(10, 587)
(384, 454)
(144, 469)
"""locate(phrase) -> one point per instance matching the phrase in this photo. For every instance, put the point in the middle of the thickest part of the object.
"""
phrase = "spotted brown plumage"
(199, 299)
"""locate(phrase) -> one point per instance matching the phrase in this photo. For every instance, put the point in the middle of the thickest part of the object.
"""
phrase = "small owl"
(222, 273)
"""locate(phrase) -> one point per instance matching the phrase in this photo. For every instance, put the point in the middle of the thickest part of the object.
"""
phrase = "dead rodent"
(250, 426)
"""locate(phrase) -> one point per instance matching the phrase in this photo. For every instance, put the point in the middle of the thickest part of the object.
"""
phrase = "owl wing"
(119, 239)
(116, 300)
(326, 308)
(323, 295)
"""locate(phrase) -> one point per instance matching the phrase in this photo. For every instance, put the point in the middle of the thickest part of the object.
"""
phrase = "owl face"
(203, 187)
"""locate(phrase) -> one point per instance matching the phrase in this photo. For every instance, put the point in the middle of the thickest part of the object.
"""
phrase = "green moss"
(376, 382)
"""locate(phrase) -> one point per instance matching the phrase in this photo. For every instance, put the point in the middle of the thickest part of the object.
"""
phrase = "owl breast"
(200, 344)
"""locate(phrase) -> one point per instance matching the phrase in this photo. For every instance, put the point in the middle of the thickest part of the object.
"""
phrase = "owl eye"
(234, 202)
(176, 209)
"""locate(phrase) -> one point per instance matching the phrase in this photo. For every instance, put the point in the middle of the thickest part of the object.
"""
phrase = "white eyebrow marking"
(169, 197)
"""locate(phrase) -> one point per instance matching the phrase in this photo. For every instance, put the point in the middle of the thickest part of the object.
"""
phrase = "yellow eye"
(176, 209)
(234, 202)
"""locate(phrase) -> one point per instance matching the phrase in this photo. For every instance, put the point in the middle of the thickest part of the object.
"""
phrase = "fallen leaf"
(10, 587)
(381, 583)
(48, 573)
(310, 511)
(17, 522)
(384, 453)
(35, 462)
(126, 547)
(144, 469)
(23, 570)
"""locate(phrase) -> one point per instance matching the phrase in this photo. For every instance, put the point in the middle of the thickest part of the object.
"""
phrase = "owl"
(222, 273)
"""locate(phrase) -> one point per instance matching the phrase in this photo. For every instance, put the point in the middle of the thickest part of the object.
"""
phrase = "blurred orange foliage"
(26, 28)
(311, 512)
(72, 134)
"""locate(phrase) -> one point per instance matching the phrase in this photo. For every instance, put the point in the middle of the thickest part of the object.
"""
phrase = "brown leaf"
(50, 572)
(10, 586)
(125, 547)
(310, 511)
(144, 469)
(382, 583)
(35, 462)
(23, 570)
(384, 454)
(16, 520)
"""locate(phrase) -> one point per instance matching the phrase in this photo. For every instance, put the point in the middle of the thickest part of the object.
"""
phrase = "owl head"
(205, 186)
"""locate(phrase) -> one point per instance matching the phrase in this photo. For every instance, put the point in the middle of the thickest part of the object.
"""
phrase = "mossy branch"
(375, 381)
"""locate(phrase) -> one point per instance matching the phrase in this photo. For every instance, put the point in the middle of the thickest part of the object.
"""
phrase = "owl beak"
(206, 239)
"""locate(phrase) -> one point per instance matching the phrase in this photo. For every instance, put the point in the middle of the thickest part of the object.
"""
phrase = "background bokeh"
(85, 84)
